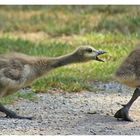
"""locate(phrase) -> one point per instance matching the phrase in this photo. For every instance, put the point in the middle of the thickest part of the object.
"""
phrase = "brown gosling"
(129, 74)
(19, 70)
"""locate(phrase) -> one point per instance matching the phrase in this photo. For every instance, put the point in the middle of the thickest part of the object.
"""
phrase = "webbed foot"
(12, 114)
(123, 114)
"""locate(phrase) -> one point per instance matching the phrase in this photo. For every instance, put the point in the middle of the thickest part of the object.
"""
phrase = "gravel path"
(84, 113)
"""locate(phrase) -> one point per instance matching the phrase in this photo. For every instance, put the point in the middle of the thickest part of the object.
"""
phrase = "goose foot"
(11, 114)
(123, 115)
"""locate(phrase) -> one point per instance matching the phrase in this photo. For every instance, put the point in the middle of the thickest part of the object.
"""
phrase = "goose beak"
(100, 53)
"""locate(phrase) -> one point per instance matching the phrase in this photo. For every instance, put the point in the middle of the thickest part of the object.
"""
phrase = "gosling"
(129, 74)
(19, 70)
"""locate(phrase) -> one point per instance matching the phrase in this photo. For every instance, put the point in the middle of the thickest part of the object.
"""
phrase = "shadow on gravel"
(102, 120)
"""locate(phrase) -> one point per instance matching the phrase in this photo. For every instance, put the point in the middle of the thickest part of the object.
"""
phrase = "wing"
(13, 74)
(13, 70)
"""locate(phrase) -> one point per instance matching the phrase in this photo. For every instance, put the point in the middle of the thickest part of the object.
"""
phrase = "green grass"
(17, 96)
(69, 20)
(57, 30)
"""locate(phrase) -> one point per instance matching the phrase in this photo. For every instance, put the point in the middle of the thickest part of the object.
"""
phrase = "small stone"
(92, 112)
(92, 132)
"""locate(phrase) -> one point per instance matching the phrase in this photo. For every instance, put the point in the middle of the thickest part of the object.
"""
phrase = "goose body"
(129, 71)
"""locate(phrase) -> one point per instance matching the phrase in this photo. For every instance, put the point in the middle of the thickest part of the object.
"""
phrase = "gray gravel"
(85, 113)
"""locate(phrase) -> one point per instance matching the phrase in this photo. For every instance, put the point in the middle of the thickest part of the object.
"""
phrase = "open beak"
(100, 53)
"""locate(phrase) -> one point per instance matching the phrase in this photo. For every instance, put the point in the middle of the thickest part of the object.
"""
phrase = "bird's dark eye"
(89, 50)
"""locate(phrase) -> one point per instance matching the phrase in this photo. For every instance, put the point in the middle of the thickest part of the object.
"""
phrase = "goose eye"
(89, 50)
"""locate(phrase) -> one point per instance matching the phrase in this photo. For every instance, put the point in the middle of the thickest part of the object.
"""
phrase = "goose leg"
(11, 114)
(123, 113)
